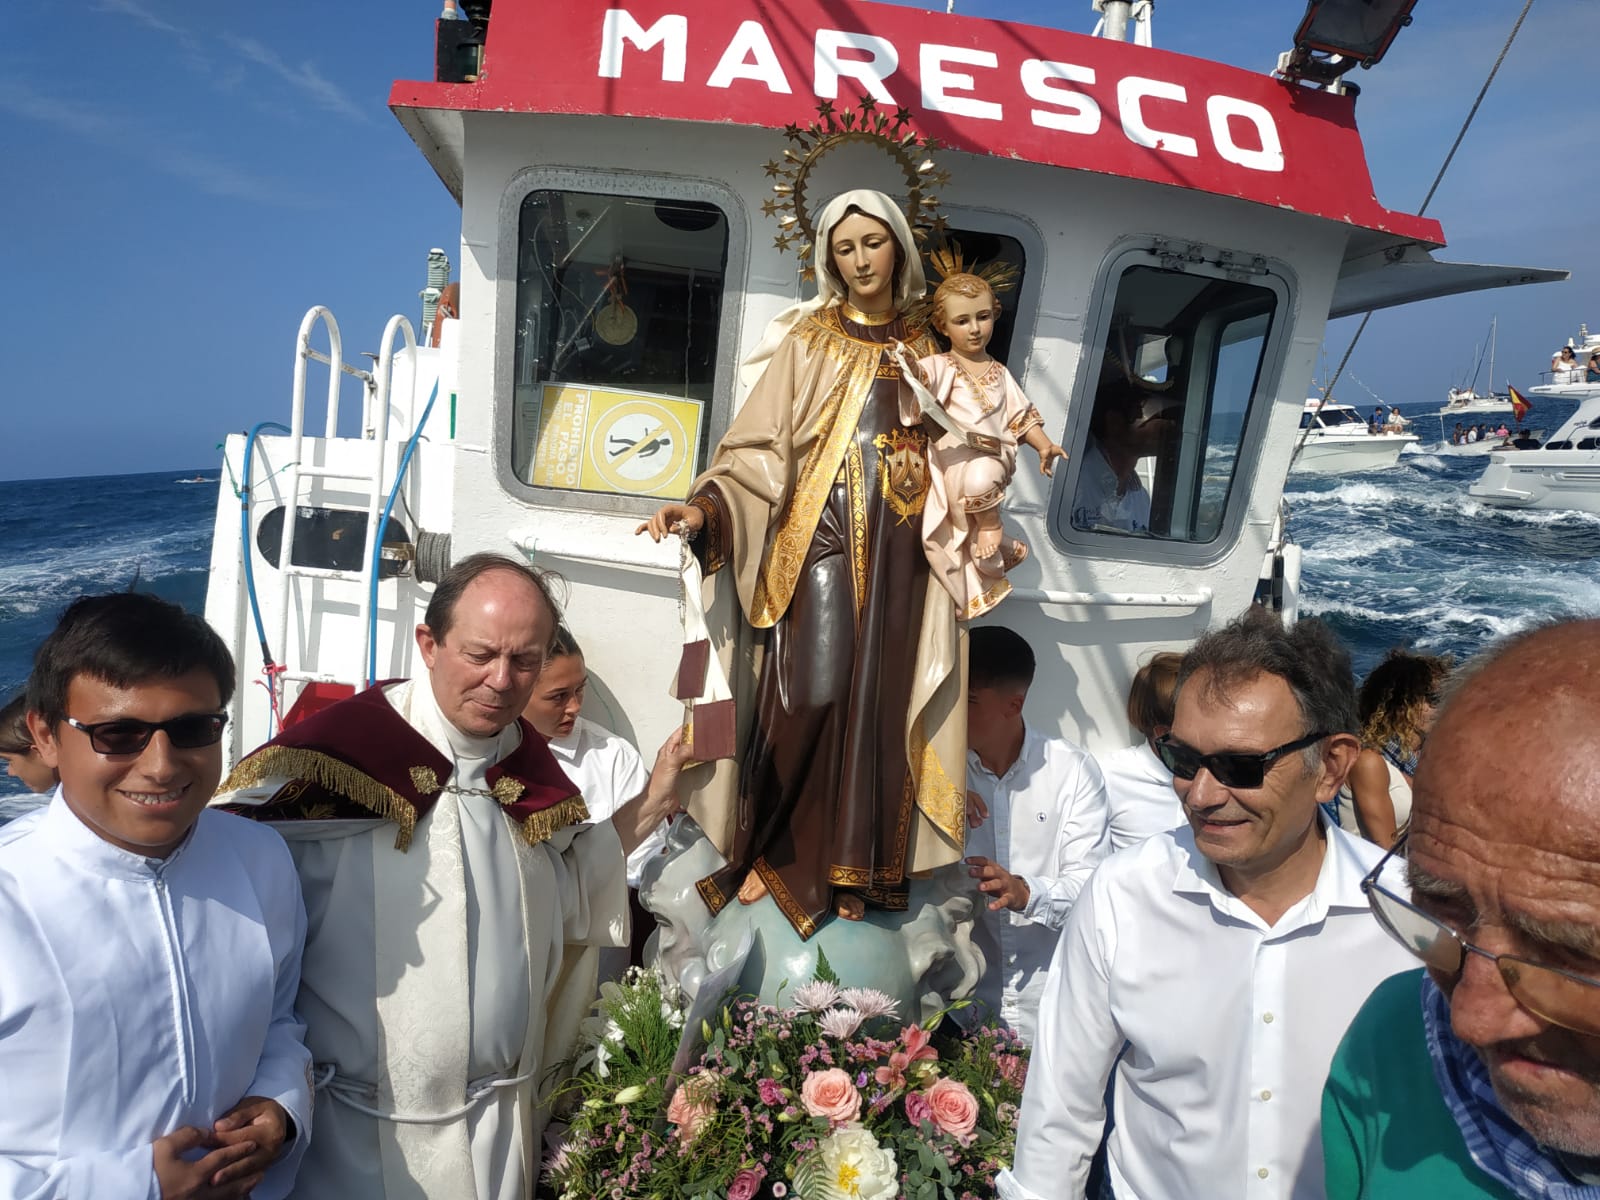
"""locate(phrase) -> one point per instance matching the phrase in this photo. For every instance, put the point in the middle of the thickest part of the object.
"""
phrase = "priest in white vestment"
(438, 989)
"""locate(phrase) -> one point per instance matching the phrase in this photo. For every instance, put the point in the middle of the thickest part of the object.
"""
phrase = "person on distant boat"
(1396, 704)
(1139, 790)
(1210, 970)
(450, 875)
(17, 748)
(1565, 368)
(1474, 434)
(1593, 368)
(1504, 431)
(1525, 441)
(1396, 423)
(1038, 815)
(1377, 423)
(150, 948)
(1129, 423)
(1478, 1077)
(851, 741)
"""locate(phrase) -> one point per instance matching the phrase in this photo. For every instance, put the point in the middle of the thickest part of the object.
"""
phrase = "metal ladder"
(375, 428)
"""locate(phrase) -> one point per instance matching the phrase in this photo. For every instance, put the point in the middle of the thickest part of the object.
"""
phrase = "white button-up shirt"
(1047, 824)
(1139, 795)
(609, 772)
(1230, 1025)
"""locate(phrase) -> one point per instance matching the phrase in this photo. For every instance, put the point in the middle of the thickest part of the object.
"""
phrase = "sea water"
(1398, 557)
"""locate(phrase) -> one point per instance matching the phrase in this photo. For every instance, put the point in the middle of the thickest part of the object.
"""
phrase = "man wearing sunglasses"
(1214, 968)
(149, 950)
(1479, 1076)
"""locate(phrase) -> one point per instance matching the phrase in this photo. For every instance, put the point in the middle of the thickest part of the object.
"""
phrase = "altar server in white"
(447, 868)
(149, 949)
(1039, 805)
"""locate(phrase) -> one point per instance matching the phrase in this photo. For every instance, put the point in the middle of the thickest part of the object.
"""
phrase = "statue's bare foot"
(850, 906)
(752, 889)
(986, 539)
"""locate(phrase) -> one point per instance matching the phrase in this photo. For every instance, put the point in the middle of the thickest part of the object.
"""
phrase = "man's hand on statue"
(639, 817)
(977, 810)
(1047, 458)
(1009, 891)
(181, 1180)
(255, 1121)
(668, 517)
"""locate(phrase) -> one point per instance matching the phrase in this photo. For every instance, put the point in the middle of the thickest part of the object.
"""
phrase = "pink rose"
(918, 1111)
(746, 1183)
(955, 1111)
(771, 1092)
(831, 1095)
(687, 1112)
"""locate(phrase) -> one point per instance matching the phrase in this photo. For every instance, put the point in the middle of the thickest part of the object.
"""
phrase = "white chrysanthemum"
(870, 1002)
(816, 995)
(849, 1164)
(840, 1022)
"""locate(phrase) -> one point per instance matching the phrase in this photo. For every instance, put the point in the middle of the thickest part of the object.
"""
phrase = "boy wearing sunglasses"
(1209, 972)
(149, 948)
(1479, 1076)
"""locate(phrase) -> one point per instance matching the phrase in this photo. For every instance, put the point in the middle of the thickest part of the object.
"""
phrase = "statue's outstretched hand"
(668, 517)
(1047, 458)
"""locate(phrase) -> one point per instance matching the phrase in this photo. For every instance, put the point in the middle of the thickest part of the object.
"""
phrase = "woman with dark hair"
(1138, 786)
(1396, 704)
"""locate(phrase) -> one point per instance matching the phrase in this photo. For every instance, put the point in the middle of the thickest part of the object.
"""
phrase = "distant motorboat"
(1464, 402)
(196, 479)
(1573, 384)
(1338, 441)
(1564, 473)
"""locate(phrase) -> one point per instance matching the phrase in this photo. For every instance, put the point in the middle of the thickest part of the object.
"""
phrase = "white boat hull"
(1344, 454)
(1541, 479)
(1575, 393)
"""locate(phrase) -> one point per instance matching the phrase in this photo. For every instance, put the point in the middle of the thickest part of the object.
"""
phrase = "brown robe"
(815, 500)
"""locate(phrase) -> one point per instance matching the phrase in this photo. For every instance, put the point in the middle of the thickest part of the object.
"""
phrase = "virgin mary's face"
(862, 251)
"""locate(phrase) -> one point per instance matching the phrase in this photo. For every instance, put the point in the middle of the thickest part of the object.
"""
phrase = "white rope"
(326, 1079)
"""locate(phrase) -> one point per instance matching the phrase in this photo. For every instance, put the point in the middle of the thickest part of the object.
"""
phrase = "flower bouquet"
(831, 1097)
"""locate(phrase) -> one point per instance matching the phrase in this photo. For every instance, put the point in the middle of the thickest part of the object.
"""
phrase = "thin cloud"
(305, 79)
(158, 150)
(143, 15)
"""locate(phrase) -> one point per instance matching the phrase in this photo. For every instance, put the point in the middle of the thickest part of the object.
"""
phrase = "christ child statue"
(983, 416)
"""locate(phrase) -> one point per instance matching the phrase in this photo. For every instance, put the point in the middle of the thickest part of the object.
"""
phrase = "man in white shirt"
(447, 867)
(1039, 807)
(149, 949)
(1227, 957)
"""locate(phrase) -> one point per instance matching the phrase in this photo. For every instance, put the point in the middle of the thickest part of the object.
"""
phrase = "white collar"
(76, 839)
(1338, 883)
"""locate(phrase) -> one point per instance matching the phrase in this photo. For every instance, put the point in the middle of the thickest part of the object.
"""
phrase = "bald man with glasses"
(1479, 1075)
(1208, 973)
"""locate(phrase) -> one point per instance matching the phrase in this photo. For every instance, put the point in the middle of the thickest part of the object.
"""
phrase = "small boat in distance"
(1336, 440)
(1574, 382)
(196, 479)
(1463, 401)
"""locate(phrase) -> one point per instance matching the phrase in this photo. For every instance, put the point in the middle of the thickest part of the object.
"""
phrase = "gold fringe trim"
(547, 822)
(330, 773)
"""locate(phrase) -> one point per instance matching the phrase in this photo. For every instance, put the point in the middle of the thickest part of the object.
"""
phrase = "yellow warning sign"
(606, 440)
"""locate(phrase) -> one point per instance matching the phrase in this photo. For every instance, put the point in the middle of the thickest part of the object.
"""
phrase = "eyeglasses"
(1560, 997)
(1234, 769)
(128, 736)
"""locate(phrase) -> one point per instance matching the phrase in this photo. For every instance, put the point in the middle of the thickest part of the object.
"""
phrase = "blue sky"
(188, 179)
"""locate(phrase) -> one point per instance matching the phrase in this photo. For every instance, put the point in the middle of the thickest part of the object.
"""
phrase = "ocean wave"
(1351, 547)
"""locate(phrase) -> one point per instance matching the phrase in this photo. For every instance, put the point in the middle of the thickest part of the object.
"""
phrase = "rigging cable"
(1327, 393)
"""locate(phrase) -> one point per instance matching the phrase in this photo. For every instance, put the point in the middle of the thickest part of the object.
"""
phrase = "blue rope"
(377, 541)
(244, 540)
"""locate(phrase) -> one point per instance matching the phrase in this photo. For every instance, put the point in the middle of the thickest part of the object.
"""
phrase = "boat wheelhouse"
(623, 167)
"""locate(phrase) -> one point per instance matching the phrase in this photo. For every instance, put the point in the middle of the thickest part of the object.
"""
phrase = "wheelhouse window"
(1175, 381)
(618, 307)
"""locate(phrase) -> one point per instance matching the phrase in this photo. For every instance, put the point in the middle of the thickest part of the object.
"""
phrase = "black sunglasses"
(129, 736)
(1236, 769)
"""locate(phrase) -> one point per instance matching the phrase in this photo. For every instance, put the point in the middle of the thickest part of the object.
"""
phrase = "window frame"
(622, 184)
(1188, 258)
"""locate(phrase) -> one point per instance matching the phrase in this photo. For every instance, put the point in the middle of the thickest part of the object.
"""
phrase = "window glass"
(619, 299)
(1176, 380)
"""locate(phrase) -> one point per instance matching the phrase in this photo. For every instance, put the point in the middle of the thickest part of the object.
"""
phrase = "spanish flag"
(1520, 404)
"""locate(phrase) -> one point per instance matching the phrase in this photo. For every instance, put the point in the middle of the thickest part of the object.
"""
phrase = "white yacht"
(1336, 440)
(1573, 384)
(1563, 474)
(1465, 401)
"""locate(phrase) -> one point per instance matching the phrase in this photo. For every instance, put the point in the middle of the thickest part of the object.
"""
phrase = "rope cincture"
(1327, 393)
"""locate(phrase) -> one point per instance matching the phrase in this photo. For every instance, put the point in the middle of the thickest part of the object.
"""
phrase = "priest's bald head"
(485, 638)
